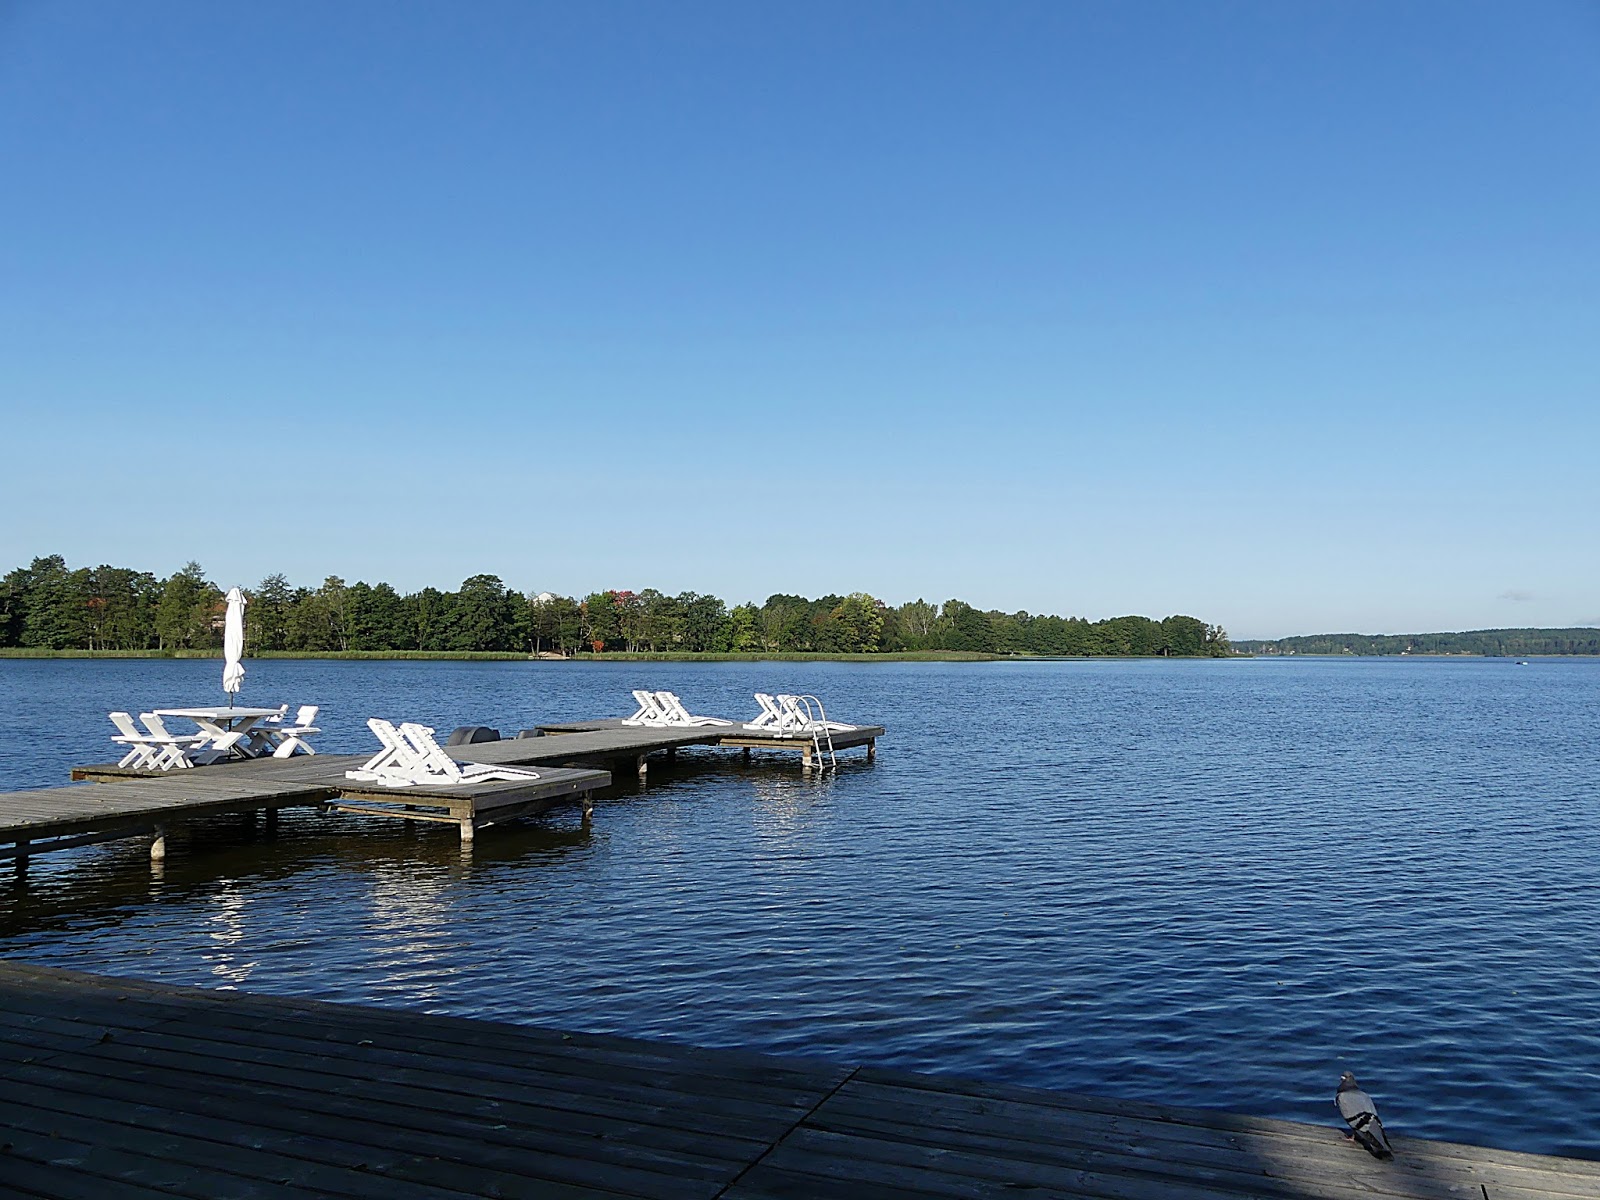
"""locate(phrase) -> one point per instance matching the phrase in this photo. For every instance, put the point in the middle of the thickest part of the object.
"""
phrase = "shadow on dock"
(118, 1088)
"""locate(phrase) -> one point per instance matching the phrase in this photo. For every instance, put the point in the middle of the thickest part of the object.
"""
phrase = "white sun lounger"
(771, 718)
(396, 760)
(412, 757)
(442, 768)
(792, 716)
(650, 710)
(678, 715)
(804, 714)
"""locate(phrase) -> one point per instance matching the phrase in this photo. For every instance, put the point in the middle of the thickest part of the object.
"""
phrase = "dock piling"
(158, 844)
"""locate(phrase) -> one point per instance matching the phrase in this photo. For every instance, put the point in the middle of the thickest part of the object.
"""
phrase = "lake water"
(1208, 883)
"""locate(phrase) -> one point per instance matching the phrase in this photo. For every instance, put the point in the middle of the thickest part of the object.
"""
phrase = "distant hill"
(1511, 643)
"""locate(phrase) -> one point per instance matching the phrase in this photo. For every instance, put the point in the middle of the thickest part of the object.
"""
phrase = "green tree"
(966, 628)
(484, 618)
(856, 624)
(266, 625)
(1184, 636)
(602, 625)
(188, 615)
(569, 624)
(744, 632)
(705, 622)
(56, 612)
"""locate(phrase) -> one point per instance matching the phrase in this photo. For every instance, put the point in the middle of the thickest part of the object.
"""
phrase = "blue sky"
(1283, 315)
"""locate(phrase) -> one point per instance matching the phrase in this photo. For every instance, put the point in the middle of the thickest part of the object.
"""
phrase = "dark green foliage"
(1508, 643)
(46, 606)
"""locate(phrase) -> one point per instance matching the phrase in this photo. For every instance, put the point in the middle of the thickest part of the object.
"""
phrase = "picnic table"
(227, 730)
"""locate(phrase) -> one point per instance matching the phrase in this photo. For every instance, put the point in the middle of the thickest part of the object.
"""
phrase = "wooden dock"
(737, 736)
(129, 802)
(122, 802)
(116, 1089)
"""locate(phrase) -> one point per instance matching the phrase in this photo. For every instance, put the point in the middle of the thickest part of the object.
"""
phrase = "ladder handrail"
(818, 721)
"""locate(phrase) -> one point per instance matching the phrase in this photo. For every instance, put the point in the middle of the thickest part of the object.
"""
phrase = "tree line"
(49, 606)
(1508, 643)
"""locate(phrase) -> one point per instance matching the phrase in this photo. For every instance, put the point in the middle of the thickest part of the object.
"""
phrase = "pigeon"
(1361, 1114)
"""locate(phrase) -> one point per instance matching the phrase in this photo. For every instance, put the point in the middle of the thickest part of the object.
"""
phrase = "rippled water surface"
(1212, 883)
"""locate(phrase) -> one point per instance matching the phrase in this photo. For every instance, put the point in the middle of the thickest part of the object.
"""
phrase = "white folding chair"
(650, 710)
(262, 737)
(141, 746)
(292, 738)
(174, 751)
(678, 715)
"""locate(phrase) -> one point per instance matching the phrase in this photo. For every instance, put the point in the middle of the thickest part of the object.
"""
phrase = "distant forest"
(48, 606)
(1510, 643)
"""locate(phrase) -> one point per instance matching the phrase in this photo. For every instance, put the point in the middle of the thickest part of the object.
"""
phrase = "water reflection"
(227, 936)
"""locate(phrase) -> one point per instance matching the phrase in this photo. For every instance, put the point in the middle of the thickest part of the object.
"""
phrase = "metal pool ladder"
(821, 734)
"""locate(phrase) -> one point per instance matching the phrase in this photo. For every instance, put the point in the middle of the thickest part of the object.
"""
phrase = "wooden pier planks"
(115, 1088)
(130, 802)
(319, 1100)
(735, 736)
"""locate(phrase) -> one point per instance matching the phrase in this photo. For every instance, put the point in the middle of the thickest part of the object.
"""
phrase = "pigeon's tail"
(1369, 1132)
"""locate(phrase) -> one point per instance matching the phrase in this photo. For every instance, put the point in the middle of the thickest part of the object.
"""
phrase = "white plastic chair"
(174, 752)
(678, 715)
(263, 736)
(292, 738)
(141, 746)
(650, 710)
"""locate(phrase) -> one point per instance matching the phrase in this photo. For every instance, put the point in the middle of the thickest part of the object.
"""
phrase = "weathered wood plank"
(186, 1092)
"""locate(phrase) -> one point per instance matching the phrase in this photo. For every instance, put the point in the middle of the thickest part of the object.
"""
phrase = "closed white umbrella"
(233, 645)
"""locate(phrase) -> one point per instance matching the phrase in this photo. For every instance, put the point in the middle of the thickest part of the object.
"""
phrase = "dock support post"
(805, 757)
(468, 831)
(272, 822)
(872, 749)
(644, 769)
(747, 754)
(20, 863)
(588, 806)
(158, 844)
(672, 754)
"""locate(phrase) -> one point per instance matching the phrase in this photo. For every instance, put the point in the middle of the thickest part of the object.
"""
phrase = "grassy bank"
(511, 656)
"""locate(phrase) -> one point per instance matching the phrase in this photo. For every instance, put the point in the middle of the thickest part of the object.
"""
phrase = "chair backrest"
(769, 708)
(432, 756)
(659, 709)
(125, 726)
(155, 725)
(672, 708)
(306, 715)
(396, 755)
